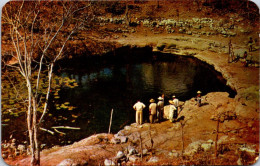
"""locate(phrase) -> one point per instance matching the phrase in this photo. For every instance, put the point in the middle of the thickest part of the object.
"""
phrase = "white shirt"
(176, 102)
(139, 106)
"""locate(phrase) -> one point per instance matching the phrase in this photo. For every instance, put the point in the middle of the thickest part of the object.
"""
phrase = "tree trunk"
(35, 129)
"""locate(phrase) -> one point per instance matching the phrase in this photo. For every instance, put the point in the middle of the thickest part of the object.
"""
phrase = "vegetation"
(35, 33)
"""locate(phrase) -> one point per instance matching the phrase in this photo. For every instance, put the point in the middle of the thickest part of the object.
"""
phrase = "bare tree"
(39, 32)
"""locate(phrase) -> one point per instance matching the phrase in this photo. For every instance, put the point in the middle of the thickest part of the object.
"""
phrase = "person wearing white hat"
(172, 112)
(139, 106)
(152, 111)
(198, 98)
(160, 108)
(175, 101)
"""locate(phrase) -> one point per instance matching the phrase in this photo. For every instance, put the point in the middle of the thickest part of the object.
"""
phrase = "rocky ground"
(195, 137)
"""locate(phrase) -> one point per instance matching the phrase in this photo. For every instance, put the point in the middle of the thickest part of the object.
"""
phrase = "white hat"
(160, 98)
(199, 92)
(171, 102)
(173, 96)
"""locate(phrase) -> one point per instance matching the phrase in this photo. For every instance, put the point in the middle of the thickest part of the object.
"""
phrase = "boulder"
(115, 140)
(123, 139)
(206, 146)
(120, 155)
(193, 148)
(131, 150)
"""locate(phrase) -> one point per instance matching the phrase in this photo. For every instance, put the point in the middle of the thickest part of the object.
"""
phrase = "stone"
(123, 139)
(131, 150)
(134, 137)
(206, 146)
(115, 140)
(145, 151)
(133, 158)
(192, 148)
(153, 159)
(120, 155)
(108, 162)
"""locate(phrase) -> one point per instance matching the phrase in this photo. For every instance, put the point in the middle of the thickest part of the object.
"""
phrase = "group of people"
(156, 110)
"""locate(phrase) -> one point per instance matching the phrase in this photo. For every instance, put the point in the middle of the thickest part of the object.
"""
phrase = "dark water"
(119, 83)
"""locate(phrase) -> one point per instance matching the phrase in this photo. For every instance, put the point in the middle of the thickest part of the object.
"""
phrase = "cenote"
(118, 79)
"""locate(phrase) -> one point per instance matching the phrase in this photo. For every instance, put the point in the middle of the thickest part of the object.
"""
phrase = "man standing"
(152, 110)
(139, 106)
(175, 102)
(172, 111)
(160, 108)
(198, 98)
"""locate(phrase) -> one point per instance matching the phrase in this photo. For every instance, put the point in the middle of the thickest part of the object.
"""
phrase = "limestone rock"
(206, 146)
(115, 140)
(120, 155)
(131, 150)
(153, 159)
(192, 148)
(133, 158)
(134, 137)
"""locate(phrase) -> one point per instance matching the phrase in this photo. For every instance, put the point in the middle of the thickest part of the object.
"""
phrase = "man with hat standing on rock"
(172, 112)
(175, 102)
(160, 109)
(198, 99)
(152, 111)
(139, 106)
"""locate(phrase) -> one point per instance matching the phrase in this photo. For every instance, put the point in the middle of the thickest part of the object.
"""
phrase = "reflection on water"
(118, 86)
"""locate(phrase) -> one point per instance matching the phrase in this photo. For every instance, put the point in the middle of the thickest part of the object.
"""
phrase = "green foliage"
(14, 93)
